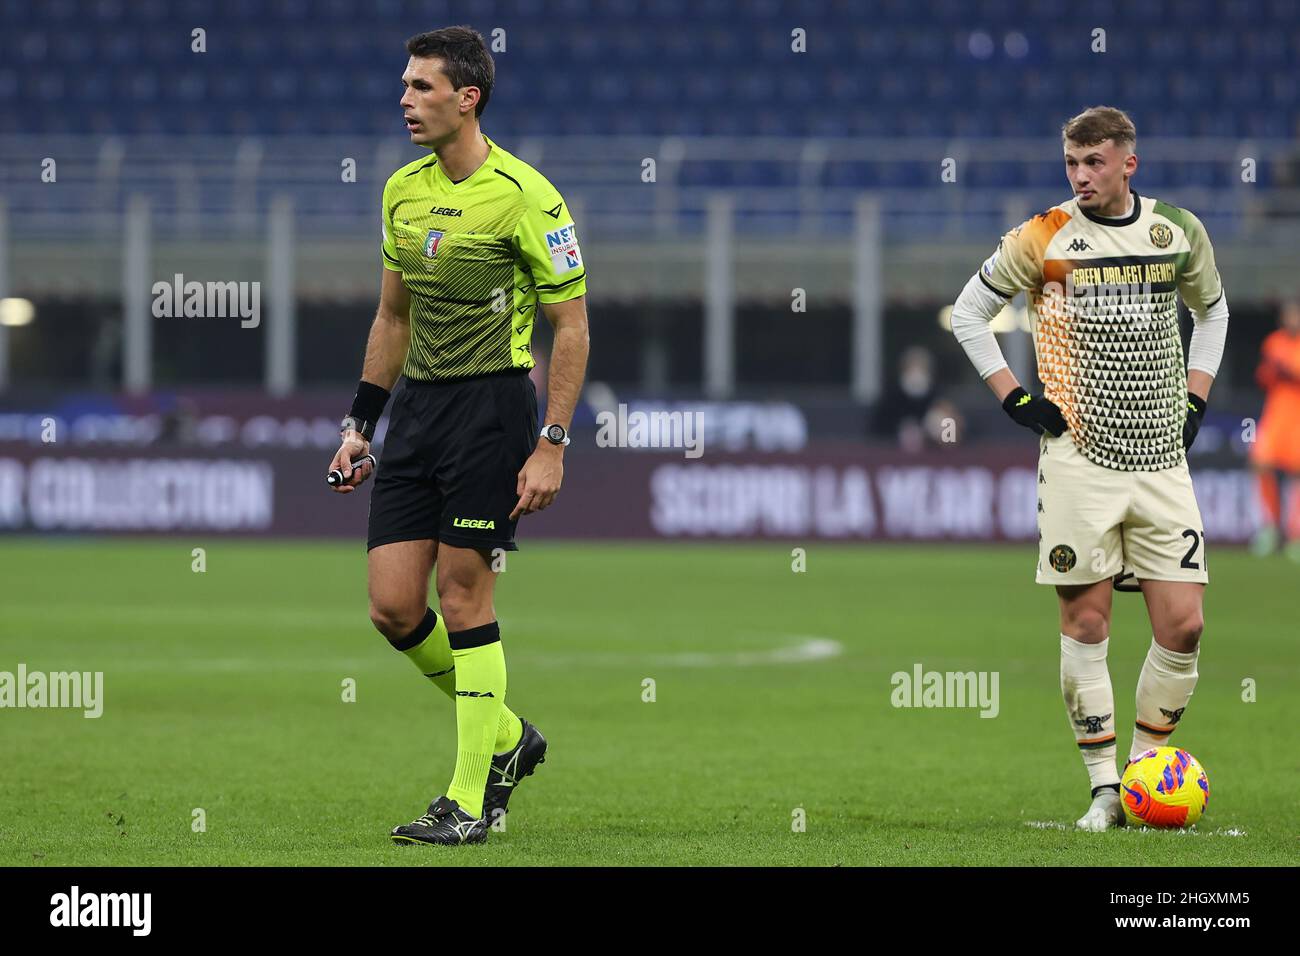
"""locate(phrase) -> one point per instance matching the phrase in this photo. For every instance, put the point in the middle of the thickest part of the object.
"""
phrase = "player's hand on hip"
(353, 446)
(1035, 413)
(539, 480)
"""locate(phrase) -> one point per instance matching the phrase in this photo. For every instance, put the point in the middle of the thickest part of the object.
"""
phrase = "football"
(1166, 788)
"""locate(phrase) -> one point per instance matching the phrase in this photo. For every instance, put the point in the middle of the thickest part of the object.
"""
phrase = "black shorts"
(451, 462)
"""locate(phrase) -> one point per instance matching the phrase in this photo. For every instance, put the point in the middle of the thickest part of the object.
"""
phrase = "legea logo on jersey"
(431, 243)
(562, 245)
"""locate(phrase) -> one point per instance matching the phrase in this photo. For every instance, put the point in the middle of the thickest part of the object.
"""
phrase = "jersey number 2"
(1187, 561)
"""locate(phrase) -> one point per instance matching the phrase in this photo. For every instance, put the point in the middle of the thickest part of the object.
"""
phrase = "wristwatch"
(363, 428)
(555, 434)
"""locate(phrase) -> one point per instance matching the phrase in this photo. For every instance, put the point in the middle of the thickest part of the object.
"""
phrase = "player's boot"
(445, 824)
(1106, 812)
(509, 769)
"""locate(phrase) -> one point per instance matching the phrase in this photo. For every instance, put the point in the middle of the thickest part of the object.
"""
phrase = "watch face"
(555, 433)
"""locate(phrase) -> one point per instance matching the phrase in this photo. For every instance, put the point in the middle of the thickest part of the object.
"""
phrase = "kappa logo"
(1093, 725)
(1078, 246)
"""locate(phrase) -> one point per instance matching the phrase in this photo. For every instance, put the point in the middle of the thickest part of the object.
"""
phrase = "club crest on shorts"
(1062, 558)
(431, 243)
(1161, 235)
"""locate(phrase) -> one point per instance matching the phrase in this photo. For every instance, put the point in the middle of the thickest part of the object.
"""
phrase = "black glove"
(1037, 414)
(1192, 424)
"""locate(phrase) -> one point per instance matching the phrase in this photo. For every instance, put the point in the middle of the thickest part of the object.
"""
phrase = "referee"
(474, 242)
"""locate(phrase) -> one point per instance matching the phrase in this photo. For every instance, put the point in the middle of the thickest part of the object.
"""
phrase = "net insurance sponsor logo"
(76, 908)
(562, 247)
(70, 690)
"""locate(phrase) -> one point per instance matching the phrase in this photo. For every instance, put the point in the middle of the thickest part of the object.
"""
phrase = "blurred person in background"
(912, 411)
(1276, 451)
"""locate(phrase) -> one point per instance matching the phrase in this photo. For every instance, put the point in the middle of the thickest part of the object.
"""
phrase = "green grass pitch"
(223, 691)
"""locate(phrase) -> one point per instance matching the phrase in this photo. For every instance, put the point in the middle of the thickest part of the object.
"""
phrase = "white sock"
(1164, 687)
(1090, 705)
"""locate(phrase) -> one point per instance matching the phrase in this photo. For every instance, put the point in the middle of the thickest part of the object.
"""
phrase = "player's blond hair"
(1097, 124)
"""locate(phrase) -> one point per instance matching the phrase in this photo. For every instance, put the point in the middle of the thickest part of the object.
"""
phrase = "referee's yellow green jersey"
(477, 257)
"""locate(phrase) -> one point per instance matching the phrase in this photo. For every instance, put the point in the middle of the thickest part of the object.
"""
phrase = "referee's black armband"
(368, 405)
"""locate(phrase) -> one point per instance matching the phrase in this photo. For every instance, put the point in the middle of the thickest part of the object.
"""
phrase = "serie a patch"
(431, 243)
(562, 246)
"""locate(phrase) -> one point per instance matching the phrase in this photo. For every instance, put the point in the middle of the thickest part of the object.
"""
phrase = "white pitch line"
(808, 649)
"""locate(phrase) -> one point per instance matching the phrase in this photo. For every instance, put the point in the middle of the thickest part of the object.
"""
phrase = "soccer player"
(1276, 451)
(1117, 415)
(474, 242)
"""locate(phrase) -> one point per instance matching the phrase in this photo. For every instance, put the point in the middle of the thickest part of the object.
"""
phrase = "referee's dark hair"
(465, 58)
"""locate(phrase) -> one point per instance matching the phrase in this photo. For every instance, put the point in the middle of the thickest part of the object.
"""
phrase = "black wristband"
(1013, 398)
(368, 405)
(1196, 404)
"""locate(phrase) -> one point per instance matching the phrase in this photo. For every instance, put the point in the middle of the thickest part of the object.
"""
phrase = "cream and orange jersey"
(1105, 321)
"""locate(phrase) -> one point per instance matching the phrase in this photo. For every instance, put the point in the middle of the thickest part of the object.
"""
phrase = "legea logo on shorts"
(481, 523)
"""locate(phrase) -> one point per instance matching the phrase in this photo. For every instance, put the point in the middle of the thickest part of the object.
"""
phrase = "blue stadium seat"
(1182, 67)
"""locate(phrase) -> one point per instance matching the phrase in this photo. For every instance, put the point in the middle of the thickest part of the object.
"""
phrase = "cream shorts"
(1094, 522)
